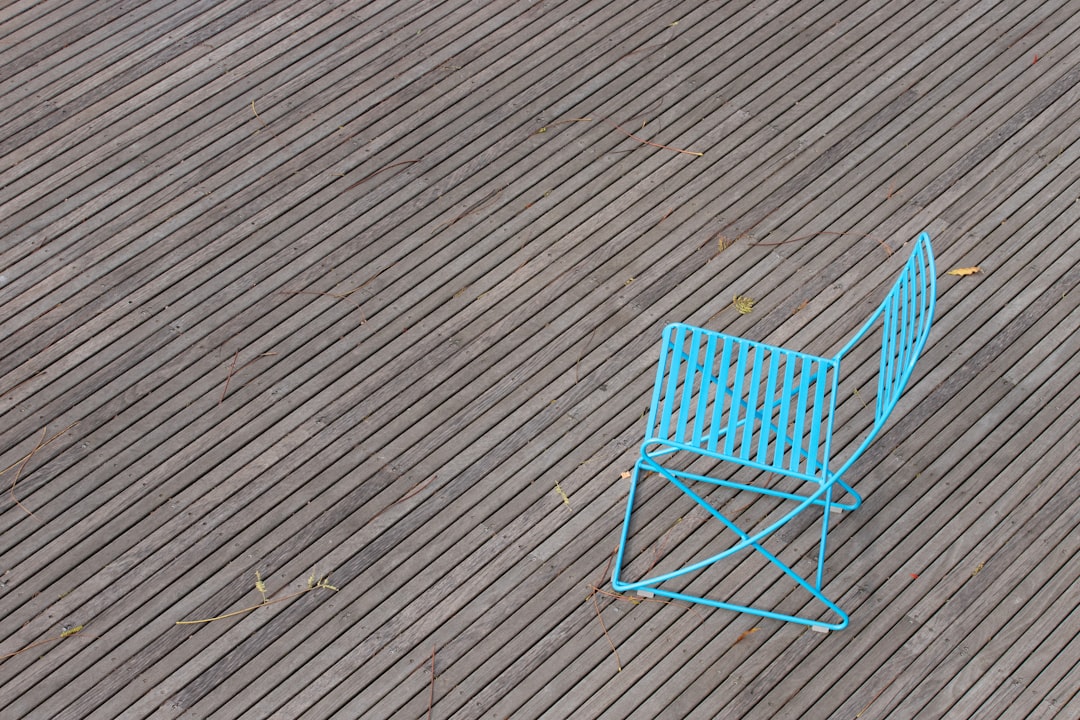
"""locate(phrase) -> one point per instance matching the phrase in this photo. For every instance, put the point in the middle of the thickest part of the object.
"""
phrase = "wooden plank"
(1033, 645)
(452, 336)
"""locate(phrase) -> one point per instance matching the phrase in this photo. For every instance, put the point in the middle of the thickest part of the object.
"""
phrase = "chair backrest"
(904, 317)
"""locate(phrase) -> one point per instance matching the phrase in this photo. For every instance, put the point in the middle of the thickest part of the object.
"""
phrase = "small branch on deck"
(649, 142)
(626, 132)
(594, 590)
(888, 250)
(256, 113)
(313, 584)
(337, 296)
(382, 169)
(607, 636)
(22, 462)
(488, 200)
(71, 632)
(233, 370)
(411, 492)
(264, 124)
(561, 122)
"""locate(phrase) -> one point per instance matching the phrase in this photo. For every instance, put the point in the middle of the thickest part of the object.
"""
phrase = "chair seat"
(742, 401)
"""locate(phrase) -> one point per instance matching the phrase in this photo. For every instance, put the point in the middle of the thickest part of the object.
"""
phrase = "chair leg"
(653, 584)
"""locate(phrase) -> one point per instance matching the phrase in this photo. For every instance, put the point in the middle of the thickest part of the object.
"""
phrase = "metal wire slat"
(785, 402)
(709, 390)
(736, 401)
(768, 403)
(752, 410)
(723, 399)
(671, 350)
(687, 370)
(799, 423)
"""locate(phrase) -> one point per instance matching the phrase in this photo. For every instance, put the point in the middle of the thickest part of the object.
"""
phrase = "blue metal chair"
(731, 400)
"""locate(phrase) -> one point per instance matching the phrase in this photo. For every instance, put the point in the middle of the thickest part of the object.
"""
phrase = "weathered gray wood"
(430, 312)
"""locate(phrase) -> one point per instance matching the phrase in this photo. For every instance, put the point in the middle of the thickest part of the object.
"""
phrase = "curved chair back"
(905, 316)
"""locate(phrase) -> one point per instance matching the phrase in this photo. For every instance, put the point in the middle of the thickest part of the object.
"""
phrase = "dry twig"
(65, 634)
(313, 584)
(888, 250)
(414, 490)
(232, 367)
(337, 296)
(233, 370)
(599, 616)
(649, 142)
(256, 113)
(486, 202)
(385, 167)
(21, 464)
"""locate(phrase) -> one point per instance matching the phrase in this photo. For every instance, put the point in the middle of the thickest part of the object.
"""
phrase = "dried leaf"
(965, 271)
(562, 494)
(625, 475)
(743, 304)
(745, 634)
(260, 585)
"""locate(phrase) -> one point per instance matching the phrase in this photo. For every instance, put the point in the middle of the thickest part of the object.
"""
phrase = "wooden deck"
(371, 293)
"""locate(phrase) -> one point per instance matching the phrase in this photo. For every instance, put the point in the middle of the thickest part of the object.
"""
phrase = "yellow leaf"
(965, 271)
(743, 304)
(625, 475)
